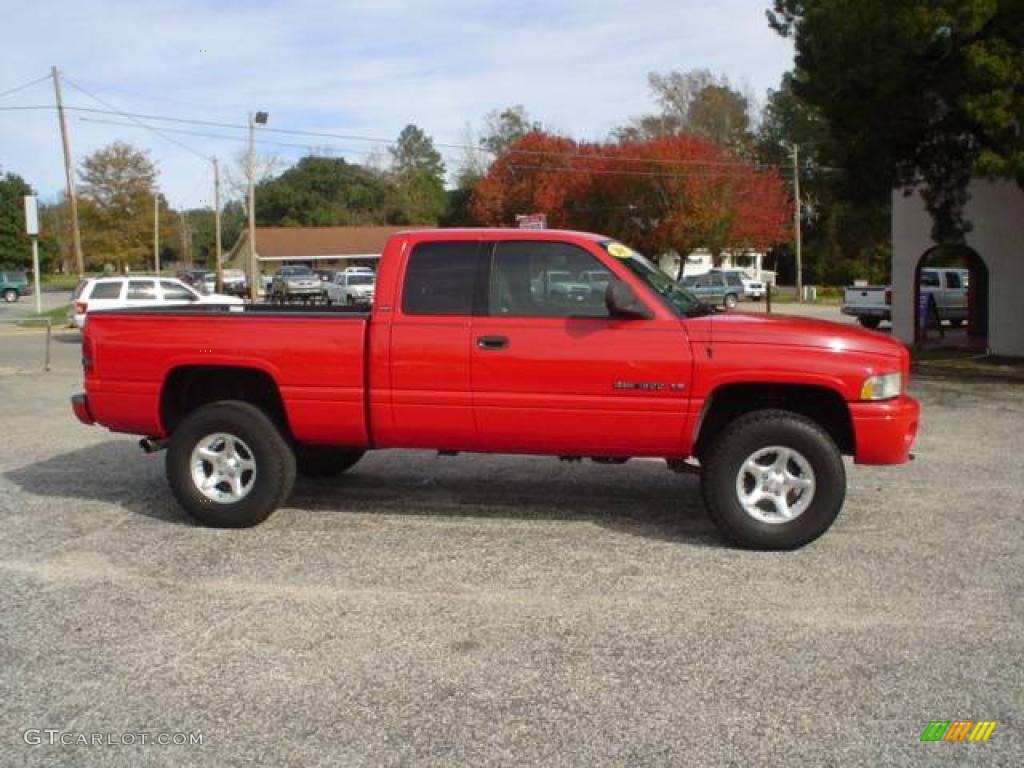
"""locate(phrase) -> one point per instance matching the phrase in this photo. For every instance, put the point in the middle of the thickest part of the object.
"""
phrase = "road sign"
(31, 215)
(532, 221)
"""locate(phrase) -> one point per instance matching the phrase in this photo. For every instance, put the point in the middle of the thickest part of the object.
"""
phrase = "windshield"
(360, 279)
(295, 272)
(678, 298)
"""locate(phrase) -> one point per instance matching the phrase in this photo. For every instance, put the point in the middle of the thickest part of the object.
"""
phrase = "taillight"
(888, 296)
(86, 353)
(80, 307)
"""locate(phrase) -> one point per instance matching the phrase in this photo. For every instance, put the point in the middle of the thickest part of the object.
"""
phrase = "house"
(317, 247)
(701, 261)
(994, 257)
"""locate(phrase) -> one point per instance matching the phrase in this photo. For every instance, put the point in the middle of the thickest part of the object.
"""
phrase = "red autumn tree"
(668, 193)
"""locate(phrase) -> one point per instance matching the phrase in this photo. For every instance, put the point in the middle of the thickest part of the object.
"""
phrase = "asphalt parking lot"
(501, 610)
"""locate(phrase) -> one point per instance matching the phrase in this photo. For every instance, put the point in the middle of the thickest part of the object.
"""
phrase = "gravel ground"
(499, 610)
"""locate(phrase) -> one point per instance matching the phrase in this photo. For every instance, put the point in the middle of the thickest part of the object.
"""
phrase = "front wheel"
(10, 295)
(773, 480)
(229, 466)
(730, 300)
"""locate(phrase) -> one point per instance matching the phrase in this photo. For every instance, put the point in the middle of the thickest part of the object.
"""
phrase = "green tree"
(317, 192)
(917, 92)
(15, 247)
(505, 127)
(695, 102)
(417, 172)
(118, 184)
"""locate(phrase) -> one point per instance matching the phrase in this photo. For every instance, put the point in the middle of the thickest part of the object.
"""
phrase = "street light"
(259, 118)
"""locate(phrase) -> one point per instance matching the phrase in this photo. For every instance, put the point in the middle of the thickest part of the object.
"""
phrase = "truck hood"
(786, 330)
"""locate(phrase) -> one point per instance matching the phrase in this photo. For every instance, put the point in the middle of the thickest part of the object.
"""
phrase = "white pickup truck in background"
(871, 304)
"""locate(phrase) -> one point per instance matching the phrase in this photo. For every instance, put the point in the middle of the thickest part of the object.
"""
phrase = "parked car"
(351, 288)
(102, 293)
(234, 282)
(13, 285)
(296, 283)
(459, 353)
(752, 289)
(872, 304)
(725, 288)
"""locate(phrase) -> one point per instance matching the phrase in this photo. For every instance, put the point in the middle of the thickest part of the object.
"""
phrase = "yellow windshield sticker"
(620, 251)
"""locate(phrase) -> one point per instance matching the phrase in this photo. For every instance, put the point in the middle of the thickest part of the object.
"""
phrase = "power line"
(445, 145)
(226, 137)
(159, 133)
(24, 86)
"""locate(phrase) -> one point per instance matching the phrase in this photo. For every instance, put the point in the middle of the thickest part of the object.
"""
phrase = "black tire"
(273, 457)
(10, 295)
(325, 461)
(871, 323)
(740, 441)
(730, 301)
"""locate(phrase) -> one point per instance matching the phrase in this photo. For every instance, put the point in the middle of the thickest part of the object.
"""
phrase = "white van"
(97, 293)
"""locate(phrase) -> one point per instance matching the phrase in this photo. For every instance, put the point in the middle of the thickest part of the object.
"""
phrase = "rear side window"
(440, 279)
(106, 291)
(141, 289)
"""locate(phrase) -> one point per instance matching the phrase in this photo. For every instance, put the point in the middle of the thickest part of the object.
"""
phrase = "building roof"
(320, 242)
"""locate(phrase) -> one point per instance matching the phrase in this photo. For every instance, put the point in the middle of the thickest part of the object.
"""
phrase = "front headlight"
(882, 387)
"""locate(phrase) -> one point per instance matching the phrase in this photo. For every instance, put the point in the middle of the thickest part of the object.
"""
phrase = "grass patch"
(58, 317)
(61, 282)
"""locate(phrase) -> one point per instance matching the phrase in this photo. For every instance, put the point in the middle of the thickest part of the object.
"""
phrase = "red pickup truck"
(506, 341)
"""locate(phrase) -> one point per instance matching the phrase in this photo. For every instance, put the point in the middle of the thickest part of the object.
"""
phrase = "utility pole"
(186, 238)
(258, 118)
(156, 232)
(69, 174)
(796, 224)
(216, 227)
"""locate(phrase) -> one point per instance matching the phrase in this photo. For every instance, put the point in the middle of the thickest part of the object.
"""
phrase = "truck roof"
(498, 233)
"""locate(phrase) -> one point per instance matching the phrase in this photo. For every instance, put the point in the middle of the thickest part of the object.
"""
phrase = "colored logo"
(958, 730)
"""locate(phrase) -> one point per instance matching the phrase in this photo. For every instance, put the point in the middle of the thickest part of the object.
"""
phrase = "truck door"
(431, 400)
(553, 373)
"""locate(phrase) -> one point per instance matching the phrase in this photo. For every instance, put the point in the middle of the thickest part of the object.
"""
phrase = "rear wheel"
(773, 480)
(229, 466)
(10, 295)
(325, 461)
(869, 322)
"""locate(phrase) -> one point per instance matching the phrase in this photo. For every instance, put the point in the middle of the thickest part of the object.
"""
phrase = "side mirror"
(623, 303)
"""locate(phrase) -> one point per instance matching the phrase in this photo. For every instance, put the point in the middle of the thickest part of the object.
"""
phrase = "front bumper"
(884, 431)
(80, 405)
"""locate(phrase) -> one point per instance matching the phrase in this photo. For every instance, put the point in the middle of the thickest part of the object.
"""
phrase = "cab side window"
(440, 279)
(930, 280)
(546, 279)
(953, 280)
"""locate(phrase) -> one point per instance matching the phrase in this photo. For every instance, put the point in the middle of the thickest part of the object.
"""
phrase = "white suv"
(96, 293)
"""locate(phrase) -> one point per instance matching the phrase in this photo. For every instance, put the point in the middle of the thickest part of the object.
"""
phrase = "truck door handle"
(492, 343)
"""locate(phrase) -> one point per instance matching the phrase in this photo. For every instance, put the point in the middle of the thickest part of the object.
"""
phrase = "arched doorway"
(951, 299)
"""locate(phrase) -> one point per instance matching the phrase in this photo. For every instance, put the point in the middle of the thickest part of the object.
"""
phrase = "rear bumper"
(884, 431)
(855, 311)
(80, 405)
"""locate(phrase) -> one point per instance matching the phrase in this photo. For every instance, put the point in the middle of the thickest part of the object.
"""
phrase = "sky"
(357, 69)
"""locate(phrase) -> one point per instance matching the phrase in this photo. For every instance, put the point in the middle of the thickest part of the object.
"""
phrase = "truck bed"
(321, 384)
